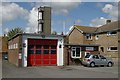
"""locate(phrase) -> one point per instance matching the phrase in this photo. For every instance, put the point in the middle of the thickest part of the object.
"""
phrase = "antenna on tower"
(64, 27)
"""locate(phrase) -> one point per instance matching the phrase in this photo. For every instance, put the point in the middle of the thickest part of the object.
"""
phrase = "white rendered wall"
(24, 53)
(60, 53)
(59, 50)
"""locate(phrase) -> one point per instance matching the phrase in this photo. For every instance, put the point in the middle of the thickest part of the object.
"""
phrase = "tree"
(54, 33)
(13, 32)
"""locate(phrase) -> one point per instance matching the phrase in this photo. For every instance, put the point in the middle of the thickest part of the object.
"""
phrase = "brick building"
(36, 50)
(81, 41)
(3, 47)
(44, 49)
(105, 38)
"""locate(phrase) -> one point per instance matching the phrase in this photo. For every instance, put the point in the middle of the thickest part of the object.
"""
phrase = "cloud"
(62, 7)
(98, 22)
(6, 30)
(32, 21)
(111, 10)
(12, 11)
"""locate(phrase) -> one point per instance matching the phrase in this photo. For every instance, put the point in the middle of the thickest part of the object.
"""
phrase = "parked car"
(5, 57)
(93, 60)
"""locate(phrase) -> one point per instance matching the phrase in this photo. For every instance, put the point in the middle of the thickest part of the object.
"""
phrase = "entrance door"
(42, 52)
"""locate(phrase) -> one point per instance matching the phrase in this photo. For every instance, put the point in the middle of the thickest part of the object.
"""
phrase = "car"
(5, 57)
(93, 60)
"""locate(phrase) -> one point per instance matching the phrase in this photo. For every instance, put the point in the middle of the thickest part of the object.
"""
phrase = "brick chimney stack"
(108, 21)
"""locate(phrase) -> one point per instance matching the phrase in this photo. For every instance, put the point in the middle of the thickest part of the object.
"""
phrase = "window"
(96, 57)
(88, 37)
(12, 46)
(30, 51)
(102, 49)
(102, 57)
(112, 33)
(38, 49)
(16, 45)
(112, 49)
(87, 53)
(53, 49)
(9, 47)
(46, 49)
(87, 56)
(75, 53)
(89, 48)
(96, 37)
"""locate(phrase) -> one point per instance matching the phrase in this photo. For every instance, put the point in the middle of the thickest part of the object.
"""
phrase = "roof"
(113, 26)
(34, 34)
(89, 45)
(86, 29)
(109, 27)
(83, 29)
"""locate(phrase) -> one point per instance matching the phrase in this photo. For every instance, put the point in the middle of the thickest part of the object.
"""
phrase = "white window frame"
(109, 48)
(75, 52)
(9, 47)
(16, 45)
(97, 37)
(110, 33)
(90, 36)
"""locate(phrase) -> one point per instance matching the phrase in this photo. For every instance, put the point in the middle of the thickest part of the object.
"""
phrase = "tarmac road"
(11, 71)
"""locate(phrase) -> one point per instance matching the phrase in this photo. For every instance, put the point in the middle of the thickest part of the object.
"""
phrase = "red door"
(42, 52)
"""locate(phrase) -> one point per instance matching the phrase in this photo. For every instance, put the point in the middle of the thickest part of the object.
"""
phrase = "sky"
(64, 15)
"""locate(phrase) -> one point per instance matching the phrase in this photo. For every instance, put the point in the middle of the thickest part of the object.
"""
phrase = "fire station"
(40, 48)
(36, 50)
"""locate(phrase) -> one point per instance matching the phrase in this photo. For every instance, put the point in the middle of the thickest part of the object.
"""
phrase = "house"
(108, 37)
(83, 40)
(3, 47)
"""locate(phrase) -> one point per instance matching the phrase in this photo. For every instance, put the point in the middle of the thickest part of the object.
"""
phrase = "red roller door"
(42, 52)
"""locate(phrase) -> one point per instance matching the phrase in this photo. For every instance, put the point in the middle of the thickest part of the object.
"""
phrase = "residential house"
(107, 37)
(81, 41)
(102, 40)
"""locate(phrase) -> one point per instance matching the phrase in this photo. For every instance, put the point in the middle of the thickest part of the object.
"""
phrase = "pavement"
(0, 69)
(11, 71)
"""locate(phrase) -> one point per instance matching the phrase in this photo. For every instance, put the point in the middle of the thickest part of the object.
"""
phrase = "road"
(0, 69)
(11, 71)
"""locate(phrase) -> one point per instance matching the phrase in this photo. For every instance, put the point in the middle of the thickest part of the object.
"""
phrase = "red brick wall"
(14, 53)
(76, 37)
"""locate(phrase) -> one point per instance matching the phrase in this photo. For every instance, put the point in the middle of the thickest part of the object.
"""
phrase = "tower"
(44, 20)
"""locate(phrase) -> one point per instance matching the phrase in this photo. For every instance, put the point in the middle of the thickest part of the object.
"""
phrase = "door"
(97, 60)
(31, 55)
(42, 52)
(103, 60)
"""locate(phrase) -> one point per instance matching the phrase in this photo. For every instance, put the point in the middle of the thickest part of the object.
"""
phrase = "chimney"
(108, 21)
